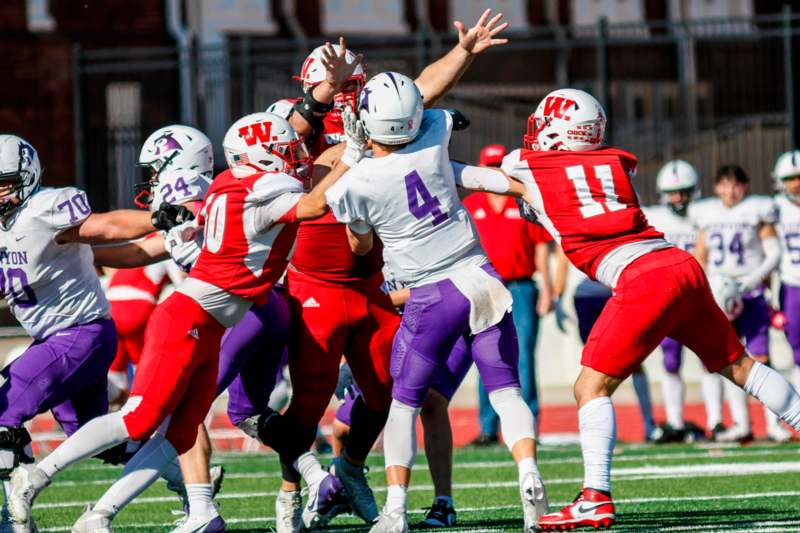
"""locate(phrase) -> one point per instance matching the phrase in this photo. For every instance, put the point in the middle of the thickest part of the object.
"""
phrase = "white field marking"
(754, 526)
(619, 475)
(506, 507)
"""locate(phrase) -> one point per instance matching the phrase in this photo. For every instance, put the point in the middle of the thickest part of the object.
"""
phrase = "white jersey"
(734, 248)
(788, 228)
(179, 187)
(409, 198)
(49, 286)
(677, 230)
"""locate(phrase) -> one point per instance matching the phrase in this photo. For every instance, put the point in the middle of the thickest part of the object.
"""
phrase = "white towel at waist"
(489, 300)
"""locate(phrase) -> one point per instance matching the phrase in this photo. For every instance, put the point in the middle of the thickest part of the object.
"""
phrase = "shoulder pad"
(60, 208)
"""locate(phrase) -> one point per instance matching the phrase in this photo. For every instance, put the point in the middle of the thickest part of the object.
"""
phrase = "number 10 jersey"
(49, 286)
(586, 201)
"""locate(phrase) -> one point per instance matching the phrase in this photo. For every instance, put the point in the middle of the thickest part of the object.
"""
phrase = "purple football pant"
(753, 324)
(435, 318)
(250, 357)
(65, 373)
(446, 381)
(790, 305)
(673, 351)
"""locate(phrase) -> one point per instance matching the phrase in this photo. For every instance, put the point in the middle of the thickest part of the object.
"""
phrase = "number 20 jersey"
(586, 201)
(410, 198)
(788, 228)
(49, 286)
(731, 234)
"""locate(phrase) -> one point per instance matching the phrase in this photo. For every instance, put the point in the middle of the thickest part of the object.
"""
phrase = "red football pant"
(661, 294)
(329, 320)
(130, 317)
(177, 374)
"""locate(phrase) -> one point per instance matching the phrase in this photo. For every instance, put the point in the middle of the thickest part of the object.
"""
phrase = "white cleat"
(205, 524)
(534, 500)
(7, 525)
(739, 434)
(358, 492)
(26, 482)
(778, 433)
(289, 512)
(391, 522)
(92, 521)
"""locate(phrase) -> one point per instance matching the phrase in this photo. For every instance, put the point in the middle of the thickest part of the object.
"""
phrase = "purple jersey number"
(14, 285)
(168, 193)
(430, 205)
(793, 247)
(76, 203)
(735, 247)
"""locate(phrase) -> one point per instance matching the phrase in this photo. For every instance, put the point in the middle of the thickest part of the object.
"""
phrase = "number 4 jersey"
(49, 286)
(586, 201)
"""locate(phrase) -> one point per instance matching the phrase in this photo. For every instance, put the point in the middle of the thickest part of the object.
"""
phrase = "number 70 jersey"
(587, 203)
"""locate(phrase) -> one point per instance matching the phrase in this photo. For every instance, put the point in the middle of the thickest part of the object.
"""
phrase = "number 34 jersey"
(731, 234)
(49, 286)
(586, 201)
(788, 228)
(409, 197)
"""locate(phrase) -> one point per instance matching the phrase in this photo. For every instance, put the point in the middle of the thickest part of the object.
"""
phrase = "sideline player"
(787, 180)
(584, 197)
(337, 305)
(736, 238)
(48, 278)
(431, 245)
(250, 218)
(677, 183)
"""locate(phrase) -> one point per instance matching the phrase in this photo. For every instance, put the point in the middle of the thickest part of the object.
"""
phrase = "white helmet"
(726, 294)
(676, 175)
(786, 166)
(391, 108)
(169, 149)
(19, 166)
(313, 73)
(566, 119)
(264, 142)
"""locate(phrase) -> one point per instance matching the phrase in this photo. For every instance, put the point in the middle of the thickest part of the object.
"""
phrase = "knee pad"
(516, 419)
(14, 449)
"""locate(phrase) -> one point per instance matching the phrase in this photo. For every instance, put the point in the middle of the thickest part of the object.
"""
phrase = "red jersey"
(587, 202)
(249, 228)
(508, 239)
(322, 249)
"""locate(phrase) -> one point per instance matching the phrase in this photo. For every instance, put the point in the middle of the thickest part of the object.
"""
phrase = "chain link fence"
(711, 92)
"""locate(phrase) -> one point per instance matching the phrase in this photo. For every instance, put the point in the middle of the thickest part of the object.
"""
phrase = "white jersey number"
(589, 206)
(215, 223)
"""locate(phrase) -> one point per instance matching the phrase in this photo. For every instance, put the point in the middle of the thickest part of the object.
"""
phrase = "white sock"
(737, 402)
(672, 388)
(772, 389)
(200, 503)
(92, 438)
(796, 377)
(642, 388)
(712, 397)
(598, 429)
(400, 435)
(771, 419)
(396, 496)
(140, 472)
(310, 468)
(516, 419)
(527, 465)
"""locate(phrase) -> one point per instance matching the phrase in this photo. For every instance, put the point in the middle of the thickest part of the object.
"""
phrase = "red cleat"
(590, 509)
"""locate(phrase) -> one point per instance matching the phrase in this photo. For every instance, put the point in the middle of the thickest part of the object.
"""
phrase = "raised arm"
(132, 254)
(442, 75)
(114, 226)
(489, 179)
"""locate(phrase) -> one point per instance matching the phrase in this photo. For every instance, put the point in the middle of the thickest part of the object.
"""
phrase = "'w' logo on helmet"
(256, 133)
(556, 106)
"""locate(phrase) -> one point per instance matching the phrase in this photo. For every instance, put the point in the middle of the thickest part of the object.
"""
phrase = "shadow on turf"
(719, 518)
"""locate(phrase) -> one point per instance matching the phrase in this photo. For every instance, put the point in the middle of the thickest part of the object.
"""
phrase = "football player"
(786, 173)
(736, 238)
(584, 197)
(249, 218)
(49, 281)
(677, 183)
(335, 297)
(431, 245)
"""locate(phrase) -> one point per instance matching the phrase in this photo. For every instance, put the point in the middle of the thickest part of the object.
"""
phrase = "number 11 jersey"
(586, 201)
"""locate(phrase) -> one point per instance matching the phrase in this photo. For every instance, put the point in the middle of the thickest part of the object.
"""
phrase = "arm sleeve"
(282, 208)
(479, 178)
(347, 206)
(772, 256)
(69, 208)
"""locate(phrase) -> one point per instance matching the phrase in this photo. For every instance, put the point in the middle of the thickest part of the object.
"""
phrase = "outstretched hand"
(337, 69)
(482, 35)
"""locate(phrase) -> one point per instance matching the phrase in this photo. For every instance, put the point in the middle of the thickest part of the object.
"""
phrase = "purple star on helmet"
(167, 143)
(364, 104)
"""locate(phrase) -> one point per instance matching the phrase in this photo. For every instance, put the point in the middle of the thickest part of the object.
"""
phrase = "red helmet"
(492, 155)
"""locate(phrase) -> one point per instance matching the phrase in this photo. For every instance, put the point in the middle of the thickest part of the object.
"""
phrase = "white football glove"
(356, 138)
(183, 243)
